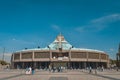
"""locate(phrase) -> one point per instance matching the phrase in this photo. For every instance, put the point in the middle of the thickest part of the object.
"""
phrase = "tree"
(3, 62)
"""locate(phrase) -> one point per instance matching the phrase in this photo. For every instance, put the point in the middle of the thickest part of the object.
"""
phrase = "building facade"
(59, 53)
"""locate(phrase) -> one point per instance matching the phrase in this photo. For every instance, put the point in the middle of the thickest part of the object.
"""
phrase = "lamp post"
(3, 54)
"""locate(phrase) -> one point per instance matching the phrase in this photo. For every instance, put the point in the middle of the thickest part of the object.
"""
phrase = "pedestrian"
(28, 70)
(117, 68)
(95, 71)
(49, 68)
(90, 69)
(33, 71)
(102, 68)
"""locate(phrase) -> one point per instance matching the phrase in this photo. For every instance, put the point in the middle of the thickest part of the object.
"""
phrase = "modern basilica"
(59, 53)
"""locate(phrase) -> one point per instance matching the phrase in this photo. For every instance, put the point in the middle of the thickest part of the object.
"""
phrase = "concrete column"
(96, 64)
(33, 56)
(20, 56)
(34, 64)
(79, 65)
(70, 55)
(45, 64)
(108, 62)
(50, 54)
(87, 56)
(100, 57)
(74, 65)
(84, 64)
(23, 65)
(12, 62)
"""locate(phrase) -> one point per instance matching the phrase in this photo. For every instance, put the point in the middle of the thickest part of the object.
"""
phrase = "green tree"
(3, 62)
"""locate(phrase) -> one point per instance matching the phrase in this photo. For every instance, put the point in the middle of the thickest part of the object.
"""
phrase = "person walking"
(90, 69)
(33, 71)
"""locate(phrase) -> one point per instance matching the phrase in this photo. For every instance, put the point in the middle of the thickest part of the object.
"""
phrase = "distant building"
(59, 53)
(118, 57)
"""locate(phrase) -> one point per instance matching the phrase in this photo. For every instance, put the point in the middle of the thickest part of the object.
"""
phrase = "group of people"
(53, 68)
(98, 68)
(30, 70)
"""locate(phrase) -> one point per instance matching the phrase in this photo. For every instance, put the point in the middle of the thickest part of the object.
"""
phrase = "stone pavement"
(67, 75)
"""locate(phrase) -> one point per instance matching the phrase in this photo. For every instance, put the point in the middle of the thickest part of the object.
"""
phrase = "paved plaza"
(65, 75)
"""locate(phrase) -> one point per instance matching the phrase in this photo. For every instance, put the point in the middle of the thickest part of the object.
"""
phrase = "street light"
(3, 54)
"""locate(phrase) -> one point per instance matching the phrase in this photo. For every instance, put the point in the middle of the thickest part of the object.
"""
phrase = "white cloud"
(12, 45)
(111, 49)
(99, 23)
(13, 39)
(21, 41)
(81, 29)
(107, 19)
(55, 27)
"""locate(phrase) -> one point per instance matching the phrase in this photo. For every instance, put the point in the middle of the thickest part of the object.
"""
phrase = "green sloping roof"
(64, 46)
(60, 42)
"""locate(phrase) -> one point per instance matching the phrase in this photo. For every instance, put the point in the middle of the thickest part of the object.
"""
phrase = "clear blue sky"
(93, 24)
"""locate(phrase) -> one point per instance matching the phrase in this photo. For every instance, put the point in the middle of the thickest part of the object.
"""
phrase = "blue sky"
(93, 24)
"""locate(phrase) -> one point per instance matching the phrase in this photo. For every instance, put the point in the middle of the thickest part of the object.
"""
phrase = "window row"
(41, 55)
(47, 55)
(78, 55)
(93, 56)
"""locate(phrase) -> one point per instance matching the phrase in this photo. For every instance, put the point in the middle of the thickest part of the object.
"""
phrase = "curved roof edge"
(85, 49)
(81, 49)
(61, 43)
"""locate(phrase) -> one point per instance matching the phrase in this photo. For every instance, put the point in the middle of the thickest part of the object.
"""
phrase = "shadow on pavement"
(11, 77)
